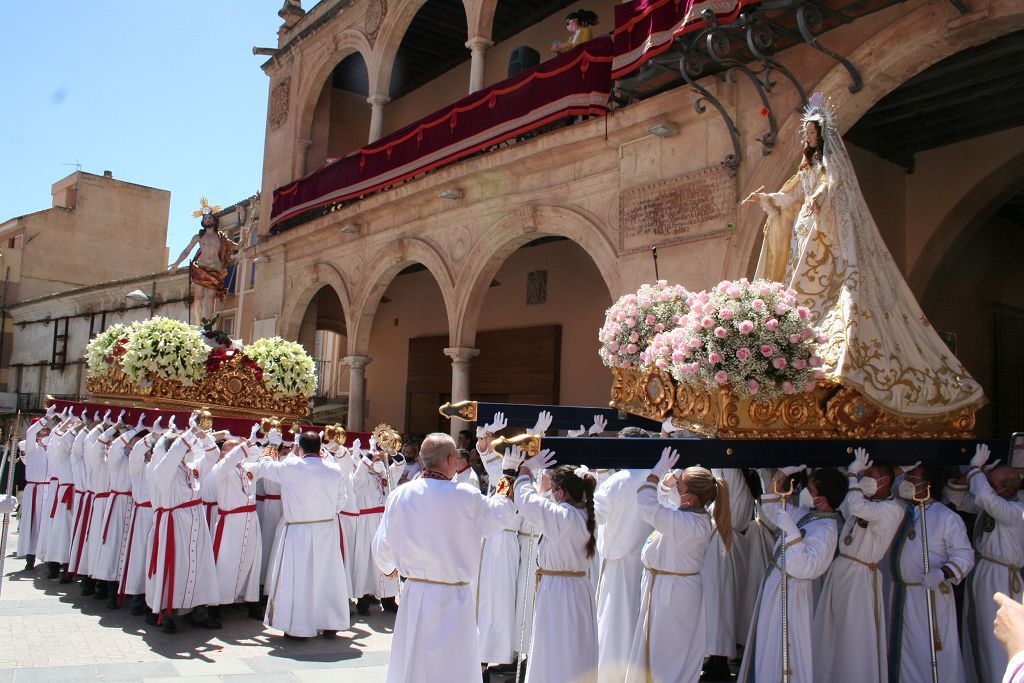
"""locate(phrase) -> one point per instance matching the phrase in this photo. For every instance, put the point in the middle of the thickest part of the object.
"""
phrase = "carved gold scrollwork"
(658, 393)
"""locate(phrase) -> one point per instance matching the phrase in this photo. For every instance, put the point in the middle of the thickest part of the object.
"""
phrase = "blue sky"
(166, 94)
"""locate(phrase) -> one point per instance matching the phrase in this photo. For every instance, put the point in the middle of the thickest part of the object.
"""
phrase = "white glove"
(321, 435)
(574, 433)
(790, 471)
(784, 522)
(51, 411)
(669, 457)
(668, 428)
(914, 466)
(933, 579)
(541, 461)
(139, 425)
(544, 419)
(356, 445)
(254, 432)
(274, 437)
(981, 455)
(512, 459)
(171, 427)
(192, 424)
(496, 425)
(599, 425)
(120, 417)
(8, 504)
(992, 465)
(861, 461)
(156, 424)
(85, 415)
(106, 416)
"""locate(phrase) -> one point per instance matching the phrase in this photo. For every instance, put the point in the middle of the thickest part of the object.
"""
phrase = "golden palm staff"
(929, 601)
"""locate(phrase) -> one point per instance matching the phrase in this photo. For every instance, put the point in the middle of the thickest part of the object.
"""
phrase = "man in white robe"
(99, 483)
(431, 534)
(372, 480)
(56, 536)
(808, 535)
(307, 590)
(31, 515)
(849, 621)
(83, 500)
(132, 563)
(950, 558)
(999, 542)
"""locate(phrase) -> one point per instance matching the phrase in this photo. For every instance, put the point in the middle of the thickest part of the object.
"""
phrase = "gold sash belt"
(436, 583)
(1015, 582)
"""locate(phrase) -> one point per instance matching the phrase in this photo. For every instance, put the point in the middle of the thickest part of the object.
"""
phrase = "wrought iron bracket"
(691, 66)
(960, 6)
(808, 20)
(760, 40)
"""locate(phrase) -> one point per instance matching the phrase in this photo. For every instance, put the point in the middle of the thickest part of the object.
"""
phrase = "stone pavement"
(48, 632)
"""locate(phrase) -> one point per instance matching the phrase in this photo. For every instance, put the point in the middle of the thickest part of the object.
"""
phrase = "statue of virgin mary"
(821, 241)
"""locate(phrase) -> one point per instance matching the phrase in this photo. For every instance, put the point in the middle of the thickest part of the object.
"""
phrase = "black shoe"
(151, 618)
(200, 618)
(138, 609)
(389, 604)
(328, 634)
(716, 669)
(52, 570)
(169, 626)
(66, 578)
(30, 562)
(102, 592)
(289, 636)
(256, 611)
(363, 606)
(113, 602)
(88, 587)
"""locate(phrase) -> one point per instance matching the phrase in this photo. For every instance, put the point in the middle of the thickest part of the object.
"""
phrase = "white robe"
(672, 601)
(998, 537)
(307, 591)
(371, 491)
(947, 546)
(807, 558)
(237, 543)
(179, 526)
(57, 537)
(132, 565)
(622, 538)
(82, 511)
(495, 585)
(269, 509)
(348, 511)
(564, 646)
(117, 517)
(99, 483)
(849, 621)
(526, 585)
(435, 634)
(35, 489)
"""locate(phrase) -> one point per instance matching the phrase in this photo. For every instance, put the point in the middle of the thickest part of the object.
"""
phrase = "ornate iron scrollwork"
(809, 19)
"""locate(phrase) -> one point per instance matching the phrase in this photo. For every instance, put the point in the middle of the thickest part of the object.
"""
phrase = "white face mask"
(868, 486)
(378, 467)
(907, 490)
(806, 499)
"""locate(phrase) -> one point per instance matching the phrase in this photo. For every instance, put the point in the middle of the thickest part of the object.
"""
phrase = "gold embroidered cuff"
(269, 451)
(505, 486)
(770, 499)
(794, 541)
(648, 485)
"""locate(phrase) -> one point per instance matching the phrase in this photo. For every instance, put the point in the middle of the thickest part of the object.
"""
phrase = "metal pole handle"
(928, 592)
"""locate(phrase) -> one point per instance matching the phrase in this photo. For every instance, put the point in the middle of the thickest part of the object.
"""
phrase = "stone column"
(356, 390)
(478, 47)
(302, 146)
(460, 355)
(377, 103)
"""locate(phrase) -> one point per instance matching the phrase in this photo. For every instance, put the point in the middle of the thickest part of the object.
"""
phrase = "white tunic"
(623, 532)
(999, 542)
(808, 556)
(672, 594)
(57, 537)
(307, 591)
(31, 516)
(132, 563)
(99, 483)
(849, 621)
(564, 646)
(83, 501)
(348, 511)
(181, 572)
(909, 655)
(117, 517)
(371, 490)
(495, 585)
(526, 585)
(47, 492)
(269, 509)
(237, 543)
(435, 632)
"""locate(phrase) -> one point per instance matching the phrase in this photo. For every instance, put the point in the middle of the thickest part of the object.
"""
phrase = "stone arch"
(302, 291)
(390, 39)
(388, 262)
(978, 204)
(513, 231)
(886, 69)
(337, 48)
(480, 18)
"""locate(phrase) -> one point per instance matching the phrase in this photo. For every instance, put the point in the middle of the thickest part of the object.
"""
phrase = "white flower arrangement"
(633, 321)
(751, 336)
(287, 368)
(100, 351)
(161, 347)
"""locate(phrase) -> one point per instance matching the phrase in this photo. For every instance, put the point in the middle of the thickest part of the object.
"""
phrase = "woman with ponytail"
(564, 645)
(672, 597)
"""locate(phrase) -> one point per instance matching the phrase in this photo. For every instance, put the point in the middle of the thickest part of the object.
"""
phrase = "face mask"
(868, 486)
(907, 490)
(378, 467)
(806, 499)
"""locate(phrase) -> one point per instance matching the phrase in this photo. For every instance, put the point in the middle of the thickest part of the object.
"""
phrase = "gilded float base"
(831, 411)
(230, 391)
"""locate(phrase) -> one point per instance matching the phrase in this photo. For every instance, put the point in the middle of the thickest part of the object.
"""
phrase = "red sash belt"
(220, 525)
(367, 511)
(128, 552)
(341, 535)
(269, 496)
(110, 509)
(81, 525)
(69, 495)
(168, 577)
(209, 511)
(35, 491)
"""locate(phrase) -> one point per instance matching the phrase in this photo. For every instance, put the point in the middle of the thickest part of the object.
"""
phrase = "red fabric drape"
(573, 84)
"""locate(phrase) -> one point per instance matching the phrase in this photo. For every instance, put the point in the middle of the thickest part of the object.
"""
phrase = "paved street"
(48, 632)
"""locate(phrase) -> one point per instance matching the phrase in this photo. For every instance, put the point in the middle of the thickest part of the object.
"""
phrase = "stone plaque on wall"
(279, 103)
(694, 206)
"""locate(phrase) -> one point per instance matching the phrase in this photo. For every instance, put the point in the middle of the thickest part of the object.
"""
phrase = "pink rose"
(661, 364)
(721, 377)
(613, 359)
(708, 323)
(799, 364)
(613, 347)
(632, 348)
(714, 358)
(695, 343)
(721, 332)
(725, 314)
(819, 374)
(816, 361)
(743, 353)
(746, 327)
(771, 324)
(781, 309)
(757, 304)
(678, 357)
(627, 364)
(767, 350)
(779, 363)
(803, 312)
(650, 319)
(822, 339)
(735, 292)
(723, 286)
(753, 386)
(787, 388)
(809, 385)
(806, 333)
(634, 337)
(794, 339)
(630, 323)
(659, 328)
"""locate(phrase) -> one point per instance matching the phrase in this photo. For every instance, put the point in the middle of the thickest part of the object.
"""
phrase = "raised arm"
(671, 522)
(185, 253)
(137, 457)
